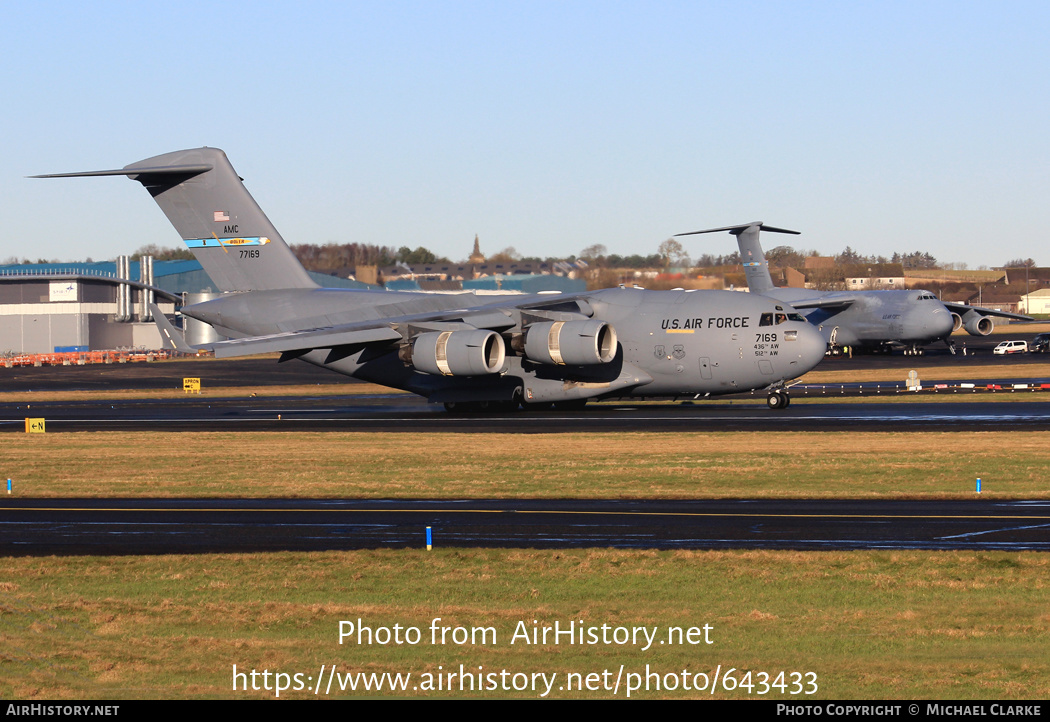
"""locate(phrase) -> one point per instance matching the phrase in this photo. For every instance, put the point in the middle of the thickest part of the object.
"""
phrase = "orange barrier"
(81, 358)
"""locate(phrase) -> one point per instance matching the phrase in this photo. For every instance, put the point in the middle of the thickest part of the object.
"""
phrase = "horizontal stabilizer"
(737, 230)
(170, 170)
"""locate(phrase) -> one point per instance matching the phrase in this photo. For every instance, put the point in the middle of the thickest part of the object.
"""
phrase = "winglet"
(172, 338)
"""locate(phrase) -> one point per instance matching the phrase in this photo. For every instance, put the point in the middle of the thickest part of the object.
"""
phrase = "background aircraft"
(878, 320)
(464, 350)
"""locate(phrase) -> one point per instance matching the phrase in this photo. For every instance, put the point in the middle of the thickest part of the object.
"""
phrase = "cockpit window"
(769, 319)
(927, 297)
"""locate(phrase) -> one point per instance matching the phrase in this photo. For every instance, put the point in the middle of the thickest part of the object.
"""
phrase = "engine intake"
(976, 324)
(570, 343)
(457, 353)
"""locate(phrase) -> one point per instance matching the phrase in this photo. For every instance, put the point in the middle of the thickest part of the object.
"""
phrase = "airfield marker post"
(978, 485)
(430, 539)
(8, 486)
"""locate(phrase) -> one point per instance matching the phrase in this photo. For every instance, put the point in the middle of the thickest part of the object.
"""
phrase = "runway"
(159, 526)
(402, 413)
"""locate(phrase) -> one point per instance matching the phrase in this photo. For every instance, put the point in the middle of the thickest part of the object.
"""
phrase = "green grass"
(872, 625)
(584, 465)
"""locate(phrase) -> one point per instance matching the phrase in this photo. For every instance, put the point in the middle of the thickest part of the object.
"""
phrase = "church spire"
(476, 256)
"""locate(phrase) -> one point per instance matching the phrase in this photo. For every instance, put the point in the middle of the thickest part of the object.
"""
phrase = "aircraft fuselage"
(669, 342)
(875, 318)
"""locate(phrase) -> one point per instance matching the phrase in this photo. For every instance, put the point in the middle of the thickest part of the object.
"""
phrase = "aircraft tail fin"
(220, 222)
(755, 267)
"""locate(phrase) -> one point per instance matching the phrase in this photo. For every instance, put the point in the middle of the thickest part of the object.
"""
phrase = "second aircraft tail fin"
(755, 267)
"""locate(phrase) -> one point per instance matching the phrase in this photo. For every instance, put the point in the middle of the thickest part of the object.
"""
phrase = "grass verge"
(583, 465)
(827, 374)
(876, 625)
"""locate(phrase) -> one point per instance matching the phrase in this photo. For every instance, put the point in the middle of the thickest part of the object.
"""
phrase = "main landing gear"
(778, 399)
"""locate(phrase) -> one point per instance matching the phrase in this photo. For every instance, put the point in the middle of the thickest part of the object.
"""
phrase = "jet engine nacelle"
(570, 343)
(976, 324)
(957, 322)
(457, 353)
(838, 335)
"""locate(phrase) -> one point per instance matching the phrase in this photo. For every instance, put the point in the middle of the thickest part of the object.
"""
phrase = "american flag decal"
(221, 216)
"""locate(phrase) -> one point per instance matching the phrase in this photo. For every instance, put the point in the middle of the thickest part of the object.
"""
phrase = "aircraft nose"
(811, 348)
(930, 323)
(943, 324)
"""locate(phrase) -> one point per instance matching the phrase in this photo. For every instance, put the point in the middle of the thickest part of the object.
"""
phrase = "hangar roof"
(173, 276)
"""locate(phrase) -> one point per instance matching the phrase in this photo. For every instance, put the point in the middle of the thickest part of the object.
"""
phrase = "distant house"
(867, 283)
(1036, 302)
(1009, 302)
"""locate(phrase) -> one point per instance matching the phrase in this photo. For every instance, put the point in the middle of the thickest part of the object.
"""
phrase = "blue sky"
(545, 126)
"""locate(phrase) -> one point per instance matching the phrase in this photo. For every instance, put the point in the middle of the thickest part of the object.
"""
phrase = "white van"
(1011, 347)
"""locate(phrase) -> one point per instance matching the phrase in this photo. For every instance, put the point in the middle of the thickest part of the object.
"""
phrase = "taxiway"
(157, 526)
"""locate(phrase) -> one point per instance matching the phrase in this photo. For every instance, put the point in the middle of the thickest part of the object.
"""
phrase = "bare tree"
(672, 253)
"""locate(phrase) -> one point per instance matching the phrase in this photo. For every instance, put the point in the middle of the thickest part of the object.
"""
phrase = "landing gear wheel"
(778, 400)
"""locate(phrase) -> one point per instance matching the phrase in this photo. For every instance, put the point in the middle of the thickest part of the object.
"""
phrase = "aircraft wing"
(497, 316)
(836, 302)
(303, 341)
(171, 338)
(278, 342)
(962, 308)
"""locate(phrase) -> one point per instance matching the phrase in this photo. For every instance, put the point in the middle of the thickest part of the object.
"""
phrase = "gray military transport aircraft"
(875, 320)
(463, 350)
